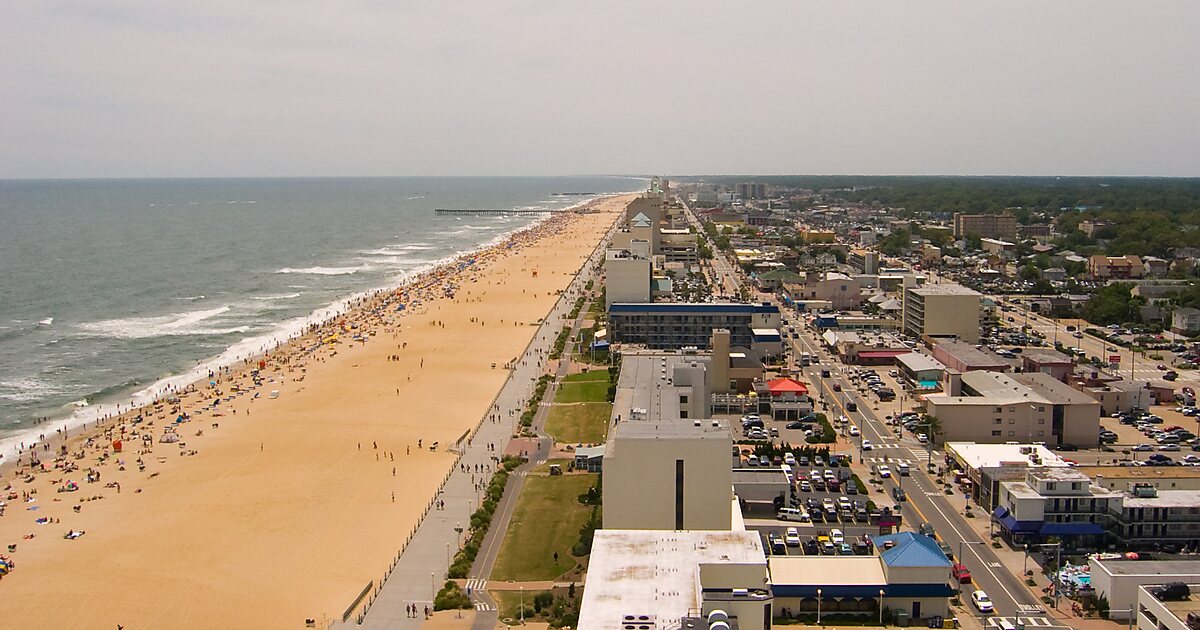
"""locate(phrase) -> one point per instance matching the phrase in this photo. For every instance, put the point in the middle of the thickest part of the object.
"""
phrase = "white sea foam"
(186, 323)
(325, 271)
(26, 389)
(282, 296)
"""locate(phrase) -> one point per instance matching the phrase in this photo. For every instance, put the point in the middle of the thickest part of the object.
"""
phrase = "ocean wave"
(159, 326)
(325, 271)
(27, 389)
(282, 296)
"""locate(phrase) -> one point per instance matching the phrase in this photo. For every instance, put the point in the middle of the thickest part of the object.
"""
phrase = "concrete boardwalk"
(421, 568)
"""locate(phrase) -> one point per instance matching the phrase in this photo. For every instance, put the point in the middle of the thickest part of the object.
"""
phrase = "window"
(1041, 433)
(679, 494)
(1042, 409)
(683, 399)
(1050, 485)
(999, 409)
(1041, 421)
(1012, 410)
(1011, 433)
(995, 434)
(683, 414)
(998, 421)
(1012, 420)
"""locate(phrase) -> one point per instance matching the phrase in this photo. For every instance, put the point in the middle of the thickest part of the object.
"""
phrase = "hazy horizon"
(369, 89)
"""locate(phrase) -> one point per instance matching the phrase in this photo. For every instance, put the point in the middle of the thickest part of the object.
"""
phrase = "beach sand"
(285, 511)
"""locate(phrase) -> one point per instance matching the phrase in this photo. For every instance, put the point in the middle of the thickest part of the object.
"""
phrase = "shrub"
(451, 597)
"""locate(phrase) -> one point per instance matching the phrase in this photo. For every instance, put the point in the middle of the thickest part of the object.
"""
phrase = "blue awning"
(1071, 529)
(1012, 525)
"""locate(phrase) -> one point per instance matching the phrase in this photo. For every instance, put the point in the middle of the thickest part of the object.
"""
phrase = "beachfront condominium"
(675, 325)
(942, 310)
(666, 463)
(627, 274)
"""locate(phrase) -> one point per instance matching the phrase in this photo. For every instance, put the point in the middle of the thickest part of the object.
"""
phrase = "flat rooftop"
(655, 572)
(994, 455)
(970, 355)
(1172, 568)
(826, 571)
(944, 289)
(646, 384)
(1140, 473)
(1166, 499)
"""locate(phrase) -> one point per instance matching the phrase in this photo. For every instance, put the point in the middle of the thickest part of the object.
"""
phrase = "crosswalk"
(477, 585)
(1030, 622)
(887, 460)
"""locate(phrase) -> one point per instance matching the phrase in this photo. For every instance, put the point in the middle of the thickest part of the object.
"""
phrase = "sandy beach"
(269, 510)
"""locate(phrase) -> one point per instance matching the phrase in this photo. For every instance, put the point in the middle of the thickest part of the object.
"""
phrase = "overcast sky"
(155, 88)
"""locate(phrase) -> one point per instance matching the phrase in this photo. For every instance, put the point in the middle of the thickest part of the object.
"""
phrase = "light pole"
(818, 607)
(881, 607)
(522, 605)
(1025, 571)
(1057, 568)
(957, 582)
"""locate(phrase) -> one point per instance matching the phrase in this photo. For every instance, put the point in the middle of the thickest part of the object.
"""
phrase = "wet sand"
(268, 511)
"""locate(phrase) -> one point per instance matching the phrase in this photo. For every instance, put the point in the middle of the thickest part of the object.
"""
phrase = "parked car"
(961, 573)
(792, 537)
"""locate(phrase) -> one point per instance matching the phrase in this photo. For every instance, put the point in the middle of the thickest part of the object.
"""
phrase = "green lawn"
(590, 375)
(585, 423)
(584, 391)
(547, 519)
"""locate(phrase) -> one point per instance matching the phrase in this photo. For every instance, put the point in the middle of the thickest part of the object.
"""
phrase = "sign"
(1114, 358)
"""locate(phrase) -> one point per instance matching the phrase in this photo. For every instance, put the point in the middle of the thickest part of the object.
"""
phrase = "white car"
(792, 537)
(1143, 447)
(1169, 447)
(1191, 459)
(922, 439)
(982, 602)
(789, 459)
(854, 430)
(866, 445)
(837, 536)
(885, 472)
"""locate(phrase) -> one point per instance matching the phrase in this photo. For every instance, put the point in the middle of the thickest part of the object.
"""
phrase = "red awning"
(882, 354)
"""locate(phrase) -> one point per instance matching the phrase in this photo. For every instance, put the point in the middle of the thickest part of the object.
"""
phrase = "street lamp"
(818, 607)
(522, 605)
(881, 607)
(1057, 568)
(958, 583)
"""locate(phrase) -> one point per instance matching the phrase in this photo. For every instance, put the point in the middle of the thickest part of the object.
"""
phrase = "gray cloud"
(223, 88)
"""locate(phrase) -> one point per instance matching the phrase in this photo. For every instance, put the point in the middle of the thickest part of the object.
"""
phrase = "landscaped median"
(581, 412)
(546, 525)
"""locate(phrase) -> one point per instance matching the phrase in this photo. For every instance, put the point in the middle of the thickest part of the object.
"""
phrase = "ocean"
(112, 289)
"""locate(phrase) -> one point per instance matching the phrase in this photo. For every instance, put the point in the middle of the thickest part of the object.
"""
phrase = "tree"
(1113, 304)
(1030, 272)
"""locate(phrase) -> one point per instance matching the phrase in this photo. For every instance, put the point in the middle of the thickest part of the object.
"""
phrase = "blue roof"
(687, 307)
(912, 550)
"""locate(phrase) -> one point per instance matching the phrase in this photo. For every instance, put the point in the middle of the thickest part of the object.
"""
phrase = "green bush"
(451, 597)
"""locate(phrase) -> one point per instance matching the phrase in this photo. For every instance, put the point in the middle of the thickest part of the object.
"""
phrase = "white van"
(902, 468)
(792, 514)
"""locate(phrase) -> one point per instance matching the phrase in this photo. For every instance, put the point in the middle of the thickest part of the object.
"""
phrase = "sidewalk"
(421, 568)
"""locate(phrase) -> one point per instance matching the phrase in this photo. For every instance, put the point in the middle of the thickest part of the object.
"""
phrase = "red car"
(961, 573)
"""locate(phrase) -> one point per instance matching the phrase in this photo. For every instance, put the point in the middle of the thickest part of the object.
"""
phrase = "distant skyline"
(375, 88)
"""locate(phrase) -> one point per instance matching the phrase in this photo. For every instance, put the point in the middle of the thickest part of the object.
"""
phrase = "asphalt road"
(926, 502)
